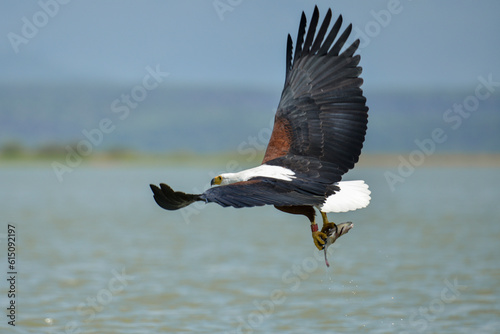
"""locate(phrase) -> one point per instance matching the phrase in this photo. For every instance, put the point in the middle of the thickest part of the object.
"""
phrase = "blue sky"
(421, 45)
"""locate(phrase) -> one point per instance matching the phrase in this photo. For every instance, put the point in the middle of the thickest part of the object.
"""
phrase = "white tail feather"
(352, 195)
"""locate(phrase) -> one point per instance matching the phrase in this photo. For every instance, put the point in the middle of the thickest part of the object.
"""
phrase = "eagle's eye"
(216, 180)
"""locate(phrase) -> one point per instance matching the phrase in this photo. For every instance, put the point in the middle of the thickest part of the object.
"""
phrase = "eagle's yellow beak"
(216, 180)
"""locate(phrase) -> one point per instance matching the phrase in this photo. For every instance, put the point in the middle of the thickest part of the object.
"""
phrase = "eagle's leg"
(319, 237)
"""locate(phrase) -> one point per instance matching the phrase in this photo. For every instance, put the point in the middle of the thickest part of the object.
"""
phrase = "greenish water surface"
(95, 254)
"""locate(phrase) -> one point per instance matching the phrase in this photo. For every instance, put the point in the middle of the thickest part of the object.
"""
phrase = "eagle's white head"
(225, 178)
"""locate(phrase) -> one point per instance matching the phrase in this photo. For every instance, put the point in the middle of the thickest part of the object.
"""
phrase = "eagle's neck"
(275, 172)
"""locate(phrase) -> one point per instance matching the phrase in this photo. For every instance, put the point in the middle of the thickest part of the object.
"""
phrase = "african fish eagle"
(319, 130)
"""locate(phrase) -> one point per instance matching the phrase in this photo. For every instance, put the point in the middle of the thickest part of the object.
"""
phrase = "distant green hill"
(213, 119)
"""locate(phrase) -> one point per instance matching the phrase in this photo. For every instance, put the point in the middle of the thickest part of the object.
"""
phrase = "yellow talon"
(327, 226)
(319, 239)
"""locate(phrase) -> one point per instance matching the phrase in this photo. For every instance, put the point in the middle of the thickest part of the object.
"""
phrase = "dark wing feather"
(334, 51)
(169, 199)
(331, 37)
(322, 31)
(311, 31)
(300, 37)
(289, 50)
(322, 113)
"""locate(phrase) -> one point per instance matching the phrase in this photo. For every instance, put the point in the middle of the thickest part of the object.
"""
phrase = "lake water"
(95, 254)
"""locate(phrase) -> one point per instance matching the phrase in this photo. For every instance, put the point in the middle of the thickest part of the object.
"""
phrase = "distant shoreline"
(238, 161)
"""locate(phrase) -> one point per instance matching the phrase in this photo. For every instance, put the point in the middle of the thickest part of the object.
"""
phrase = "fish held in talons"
(333, 232)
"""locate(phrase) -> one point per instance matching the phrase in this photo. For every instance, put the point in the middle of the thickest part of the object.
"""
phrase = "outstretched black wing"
(322, 116)
(256, 192)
